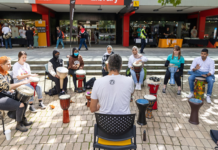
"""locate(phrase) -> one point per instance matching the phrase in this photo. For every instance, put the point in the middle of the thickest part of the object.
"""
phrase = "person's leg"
(133, 76)
(57, 83)
(191, 80)
(6, 43)
(166, 79)
(80, 43)
(65, 84)
(39, 94)
(31, 108)
(210, 81)
(58, 41)
(72, 72)
(142, 74)
(84, 42)
(9, 41)
(84, 83)
(62, 43)
(31, 42)
(177, 78)
(142, 45)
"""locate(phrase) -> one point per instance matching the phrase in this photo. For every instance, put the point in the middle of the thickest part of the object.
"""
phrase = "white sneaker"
(208, 100)
(42, 105)
(62, 47)
(56, 48)
(139, 87)
(190, 95)
(136, 86)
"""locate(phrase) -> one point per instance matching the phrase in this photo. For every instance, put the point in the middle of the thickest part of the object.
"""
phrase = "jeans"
(142, 74)
(38, 90)
(57, 83)
(58, 41)
(143, 44)
(210, 80)
(82, 41)
(8, 41)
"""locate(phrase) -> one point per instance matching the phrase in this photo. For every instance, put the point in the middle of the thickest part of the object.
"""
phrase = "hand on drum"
(204, 75)
(11, 91)
(57, 76)
(68, 56)
(138, 61)
(34, 75)
(26, 81)
(77, 66)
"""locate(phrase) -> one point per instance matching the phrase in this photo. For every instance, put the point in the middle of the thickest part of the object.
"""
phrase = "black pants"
(57, 83)
(177, 76)
(143, 44)
(9, 104)
(29, 42)
(73, 73)
(104, 73)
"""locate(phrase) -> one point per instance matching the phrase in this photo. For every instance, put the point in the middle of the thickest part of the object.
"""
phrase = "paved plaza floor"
(168, 130)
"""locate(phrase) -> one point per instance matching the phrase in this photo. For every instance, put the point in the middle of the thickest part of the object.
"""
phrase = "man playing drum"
(202, 67)
(112, 92)
(53, 64)
(136, 57)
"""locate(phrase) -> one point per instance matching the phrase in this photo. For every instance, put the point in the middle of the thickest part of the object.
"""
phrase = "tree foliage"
(174, 2)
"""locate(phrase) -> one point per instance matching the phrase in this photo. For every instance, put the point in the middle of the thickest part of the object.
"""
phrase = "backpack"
(62, 33)
(90, 83)
(51, 92)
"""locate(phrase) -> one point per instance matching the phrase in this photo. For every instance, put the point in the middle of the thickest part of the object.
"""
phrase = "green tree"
(174, 2)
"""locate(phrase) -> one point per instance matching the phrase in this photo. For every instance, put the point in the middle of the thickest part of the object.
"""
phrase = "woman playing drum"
(136, 57)
(105, 57)
(21, 72)
(177, 60)
(76, 63)
(6, 89)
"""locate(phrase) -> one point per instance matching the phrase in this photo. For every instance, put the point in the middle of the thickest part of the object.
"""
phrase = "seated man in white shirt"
(202, 67)
(112, 92)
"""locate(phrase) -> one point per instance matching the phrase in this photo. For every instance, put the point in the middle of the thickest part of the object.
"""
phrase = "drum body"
(106, 68)
(65, 104)
(199, 88)
(137, 68)
(24, 93)
(80, 75)
(88, 97)
(34, 82)
(195, 105)
(153, 89)
(152, 99)
(172, 70)
(142, 105)
(62, 73)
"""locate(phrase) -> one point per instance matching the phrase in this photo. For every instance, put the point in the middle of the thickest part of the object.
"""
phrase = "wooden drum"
(24, 93)
(34, 82)
(142, 105)
(199, 88)
(152, 99)
(65, 104)
(195, 105)
(137, 69)
(80, 75)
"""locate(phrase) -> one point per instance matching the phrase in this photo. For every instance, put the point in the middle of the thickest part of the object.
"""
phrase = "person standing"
(29, 37)
(139, 31)
(35, 33)
(7, 35)
(194, 32)
(59, 38)
(96, 35)
(167, 33)
(82, 35)
(143, 37)
(22, 32)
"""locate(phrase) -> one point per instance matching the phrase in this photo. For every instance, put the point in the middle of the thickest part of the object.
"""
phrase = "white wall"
(17, 1)
(212, 3)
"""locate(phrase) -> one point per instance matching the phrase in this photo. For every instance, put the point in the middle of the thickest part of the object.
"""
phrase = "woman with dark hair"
(178, 60)
(75, 63)
(82, 35)
(6, 89)
(21, 72)
(29, 37)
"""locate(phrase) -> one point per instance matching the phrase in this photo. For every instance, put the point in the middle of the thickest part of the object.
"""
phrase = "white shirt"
(19, 70)
(51, 69)
(205, 66)
(114, 94)
(5, 30)
(132, 59)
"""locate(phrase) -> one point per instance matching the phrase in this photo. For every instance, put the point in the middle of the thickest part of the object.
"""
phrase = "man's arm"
(212, 68)
(194, 63)
(94, 105)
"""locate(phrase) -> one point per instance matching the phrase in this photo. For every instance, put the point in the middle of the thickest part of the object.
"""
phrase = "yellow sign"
(135, 3)
(41, 27)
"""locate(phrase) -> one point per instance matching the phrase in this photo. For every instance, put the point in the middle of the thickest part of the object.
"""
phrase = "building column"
(201, 27)
(46, 18)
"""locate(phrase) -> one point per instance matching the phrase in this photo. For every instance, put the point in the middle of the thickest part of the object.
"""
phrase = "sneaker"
(139, 87)
(136, 86)
(62, 47)
(87, 49)
(164, 91)
(142, 52)
(208, 100)
(32, 109)
(26, 123)
(56, 48)
(179, 92)
(21, 127)
(190, 95)
(42, 105)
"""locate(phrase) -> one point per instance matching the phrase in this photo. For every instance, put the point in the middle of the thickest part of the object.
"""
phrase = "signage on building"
(83, 2)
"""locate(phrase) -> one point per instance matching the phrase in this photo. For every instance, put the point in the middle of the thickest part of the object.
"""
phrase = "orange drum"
(65, 104)
(137, 69)
(34, 82)
(80, 75)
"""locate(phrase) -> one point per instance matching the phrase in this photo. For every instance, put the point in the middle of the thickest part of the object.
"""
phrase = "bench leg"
(3, 124)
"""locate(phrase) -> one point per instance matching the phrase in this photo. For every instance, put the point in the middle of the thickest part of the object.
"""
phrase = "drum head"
(200, 78)
(137, 65)
(34, 79)
(64, 97)
(62, 70)
(197, 101)
(80, 72)
(150, 97)
(25, 90)
(142, 101)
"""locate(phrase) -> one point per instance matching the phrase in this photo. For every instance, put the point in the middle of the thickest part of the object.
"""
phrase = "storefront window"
(107, 32)
(211, 24)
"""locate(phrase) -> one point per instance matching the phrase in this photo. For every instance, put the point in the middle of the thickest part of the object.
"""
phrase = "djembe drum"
(142, 105)
(152, 99)
(34, 82)
(106, 68)
(65, 104)
(195, 105)
(199, 88)
(172, 70)
(153, 89)
(23, 93)
(80, 75)
(62, 73)
(137, 68)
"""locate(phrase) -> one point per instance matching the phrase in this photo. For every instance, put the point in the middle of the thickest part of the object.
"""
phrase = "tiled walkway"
(169, 130)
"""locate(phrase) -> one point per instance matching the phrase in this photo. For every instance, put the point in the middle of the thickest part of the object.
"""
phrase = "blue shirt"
(175, 60)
